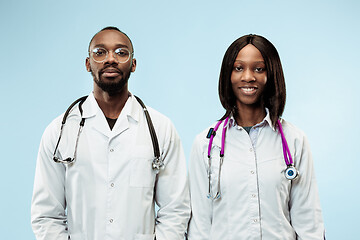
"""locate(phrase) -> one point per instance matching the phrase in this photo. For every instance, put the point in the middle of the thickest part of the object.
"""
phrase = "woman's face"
(248, 77)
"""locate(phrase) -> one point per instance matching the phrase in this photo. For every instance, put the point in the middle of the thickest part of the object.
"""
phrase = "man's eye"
(99, 52)
(122, 52)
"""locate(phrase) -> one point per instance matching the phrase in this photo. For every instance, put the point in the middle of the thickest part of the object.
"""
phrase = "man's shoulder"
(54, 127)
(157, 115)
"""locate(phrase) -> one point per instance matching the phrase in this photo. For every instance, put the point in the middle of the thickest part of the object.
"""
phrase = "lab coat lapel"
(217, 138)
(131, 110)
(95, 117)
(121, 125)
(100, 124)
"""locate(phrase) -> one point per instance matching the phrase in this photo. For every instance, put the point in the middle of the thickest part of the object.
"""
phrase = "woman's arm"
(305, 210)
(201, 206)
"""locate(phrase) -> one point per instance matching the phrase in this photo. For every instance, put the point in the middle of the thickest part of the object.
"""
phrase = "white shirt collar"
(266, 120)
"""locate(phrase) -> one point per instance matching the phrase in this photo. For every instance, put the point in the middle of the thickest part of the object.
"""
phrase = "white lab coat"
(109, 192)
(257, 201)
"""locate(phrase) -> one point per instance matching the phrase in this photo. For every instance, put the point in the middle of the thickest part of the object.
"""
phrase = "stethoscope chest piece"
(291, 172)
(157, 164)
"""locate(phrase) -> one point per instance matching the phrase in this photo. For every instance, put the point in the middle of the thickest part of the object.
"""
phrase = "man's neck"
(111, 105)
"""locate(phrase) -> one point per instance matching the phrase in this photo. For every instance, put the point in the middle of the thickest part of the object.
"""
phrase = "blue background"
(179, 47)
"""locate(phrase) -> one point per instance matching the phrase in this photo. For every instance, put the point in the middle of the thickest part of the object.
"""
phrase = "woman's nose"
(248, 75)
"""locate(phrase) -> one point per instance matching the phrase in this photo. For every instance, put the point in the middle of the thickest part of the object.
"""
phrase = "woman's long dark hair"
(275, 92)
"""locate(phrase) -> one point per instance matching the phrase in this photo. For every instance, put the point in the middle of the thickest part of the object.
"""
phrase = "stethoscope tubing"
(291, 172)
(286, 150)
(157, 163)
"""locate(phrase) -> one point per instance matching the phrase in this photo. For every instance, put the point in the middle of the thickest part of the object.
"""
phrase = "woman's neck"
(247, 116)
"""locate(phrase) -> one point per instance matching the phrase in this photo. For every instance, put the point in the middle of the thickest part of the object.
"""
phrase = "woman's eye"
(259, 69)
(239, 68)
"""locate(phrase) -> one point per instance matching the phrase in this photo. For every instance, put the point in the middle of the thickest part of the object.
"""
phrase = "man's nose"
(111, 58)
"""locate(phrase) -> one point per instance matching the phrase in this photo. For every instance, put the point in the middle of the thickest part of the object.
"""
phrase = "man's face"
(110, 75)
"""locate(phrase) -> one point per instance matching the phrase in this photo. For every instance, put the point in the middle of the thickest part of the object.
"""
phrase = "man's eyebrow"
(122, 45)
(117, 45)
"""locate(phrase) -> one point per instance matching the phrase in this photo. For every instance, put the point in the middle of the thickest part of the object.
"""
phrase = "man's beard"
(112, 88)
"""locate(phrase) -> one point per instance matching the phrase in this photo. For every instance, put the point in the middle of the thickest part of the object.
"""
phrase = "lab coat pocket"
(144, 237)
(77, 236)
(272, 172)
(142, 175)
(215, 166)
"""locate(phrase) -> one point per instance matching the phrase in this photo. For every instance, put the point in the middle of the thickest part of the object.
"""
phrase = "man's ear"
(133, 65)
(87, 64)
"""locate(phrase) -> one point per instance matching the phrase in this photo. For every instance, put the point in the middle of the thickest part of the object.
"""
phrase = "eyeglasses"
(99, 55)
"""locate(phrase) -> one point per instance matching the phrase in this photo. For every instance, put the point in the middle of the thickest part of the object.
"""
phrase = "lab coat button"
(251, 149)
(111, 220)
(111, 150)
(112, 184)
(255, 220)
(253, 195)
(252, 172)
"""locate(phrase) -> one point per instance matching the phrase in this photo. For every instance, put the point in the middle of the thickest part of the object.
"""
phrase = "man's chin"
(112, 88)
(111, 85)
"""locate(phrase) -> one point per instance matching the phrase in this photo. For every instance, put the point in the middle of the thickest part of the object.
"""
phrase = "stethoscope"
(157, 163)
(291, 172)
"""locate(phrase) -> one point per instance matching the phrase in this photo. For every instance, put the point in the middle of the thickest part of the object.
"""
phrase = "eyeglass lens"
(121, 55)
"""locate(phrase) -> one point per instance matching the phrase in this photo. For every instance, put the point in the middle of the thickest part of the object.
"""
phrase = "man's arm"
(172, 191)
(48, 218)
(201, 206)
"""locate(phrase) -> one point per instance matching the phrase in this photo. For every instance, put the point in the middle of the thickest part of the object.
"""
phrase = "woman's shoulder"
(292, 130)
(204, 136)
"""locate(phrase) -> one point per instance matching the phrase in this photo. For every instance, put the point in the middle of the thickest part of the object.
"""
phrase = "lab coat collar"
(131, 109)
(135, 108)
(90, 106)
(267, 119)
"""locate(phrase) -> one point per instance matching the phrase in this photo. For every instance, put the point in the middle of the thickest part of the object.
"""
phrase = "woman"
(245, 182)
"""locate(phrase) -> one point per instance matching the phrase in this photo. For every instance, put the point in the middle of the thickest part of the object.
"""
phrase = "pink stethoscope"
(290, 173)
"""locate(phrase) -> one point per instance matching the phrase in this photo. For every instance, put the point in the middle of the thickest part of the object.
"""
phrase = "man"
(107, 188)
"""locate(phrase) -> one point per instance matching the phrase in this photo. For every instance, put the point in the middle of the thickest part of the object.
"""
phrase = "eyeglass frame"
(131, 54)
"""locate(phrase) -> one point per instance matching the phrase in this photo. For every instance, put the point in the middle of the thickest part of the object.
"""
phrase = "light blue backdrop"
(179, 47)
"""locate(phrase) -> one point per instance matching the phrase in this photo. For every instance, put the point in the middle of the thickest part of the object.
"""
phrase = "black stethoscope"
(157, 163)
(291, 172)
